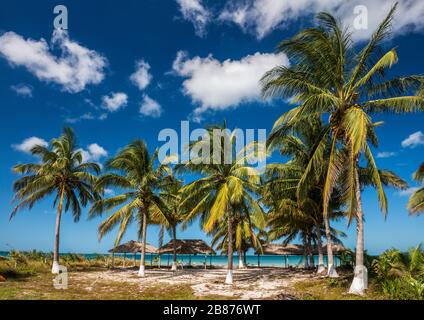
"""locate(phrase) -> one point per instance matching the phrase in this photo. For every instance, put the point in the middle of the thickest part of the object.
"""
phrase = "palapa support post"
(131, 247)
(185, 248)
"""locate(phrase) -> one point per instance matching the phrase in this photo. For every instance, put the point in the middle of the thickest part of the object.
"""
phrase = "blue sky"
(129, 69)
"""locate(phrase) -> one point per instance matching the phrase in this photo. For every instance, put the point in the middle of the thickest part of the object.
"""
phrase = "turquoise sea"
(252, 260)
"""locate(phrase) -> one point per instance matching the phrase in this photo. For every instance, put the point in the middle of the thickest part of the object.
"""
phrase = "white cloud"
(90, 103)
(103, 116)
(94, 152)
(408, 192)
(115, 101)
(150, 107)
(86, 157)
(26, 145)
(260, 17)
(109, 192)
(196, 13)
(386, 154)
(414, 140)
(74, 69)
(86, 116)
(22, 90)
(141, 77)
(217, 85)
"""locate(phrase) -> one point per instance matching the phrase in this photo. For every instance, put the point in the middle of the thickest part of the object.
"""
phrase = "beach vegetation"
(61, 173)
(137, 173)
(223, 187)
(329, 77)
(416, 202)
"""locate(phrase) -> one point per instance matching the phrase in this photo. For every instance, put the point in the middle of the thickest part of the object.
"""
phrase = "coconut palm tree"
(226, 181)
(134, 171)
(299, 145)
(60, 173)
(327, 76)
(248, 223)
(290, 217)
(173, 213)
(416, 202)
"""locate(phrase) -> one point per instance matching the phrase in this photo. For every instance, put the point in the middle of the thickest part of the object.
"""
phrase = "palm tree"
(290, 217)
(226, 182)
(282, 180)
(328, 77)
(132, 170)
(248, 222)
(416, 202)
(173, 212)
(62, 174)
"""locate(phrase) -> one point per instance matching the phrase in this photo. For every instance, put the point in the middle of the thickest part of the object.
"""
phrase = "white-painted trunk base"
(241, 264)
(141, 271)
(174, 266)
(229, 278)
(56, 267)
(360, 281)
(331, 272)
(321, 268)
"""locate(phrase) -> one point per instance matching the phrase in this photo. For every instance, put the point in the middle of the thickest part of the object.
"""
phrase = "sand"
(252, 283)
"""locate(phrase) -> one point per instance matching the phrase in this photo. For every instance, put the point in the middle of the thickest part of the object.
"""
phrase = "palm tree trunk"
(240, 258)
(229, 278)
(321, 267)
(56, 266)
(174, 235)
(305, 253)
(360, 280)
(331, 270)
(311, 252)
(141, 272)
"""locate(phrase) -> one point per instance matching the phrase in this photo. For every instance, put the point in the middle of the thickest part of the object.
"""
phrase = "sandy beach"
(212, 150)
(269, 283)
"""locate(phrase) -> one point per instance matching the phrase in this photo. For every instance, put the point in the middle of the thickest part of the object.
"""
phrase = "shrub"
(401, 275)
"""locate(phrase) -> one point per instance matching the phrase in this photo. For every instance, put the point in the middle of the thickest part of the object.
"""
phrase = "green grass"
(40, 287)
(333, 289)
(32, 280)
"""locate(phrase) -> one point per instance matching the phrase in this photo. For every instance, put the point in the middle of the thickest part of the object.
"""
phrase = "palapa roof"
(187, 246)
(337, 249)
(133, 247)
(281, 249)
(294, 249)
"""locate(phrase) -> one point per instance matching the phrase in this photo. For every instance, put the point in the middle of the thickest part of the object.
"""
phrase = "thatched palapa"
(133, 247)
(294, 249)
(187, 247)
(280, 249)
(338, 249)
